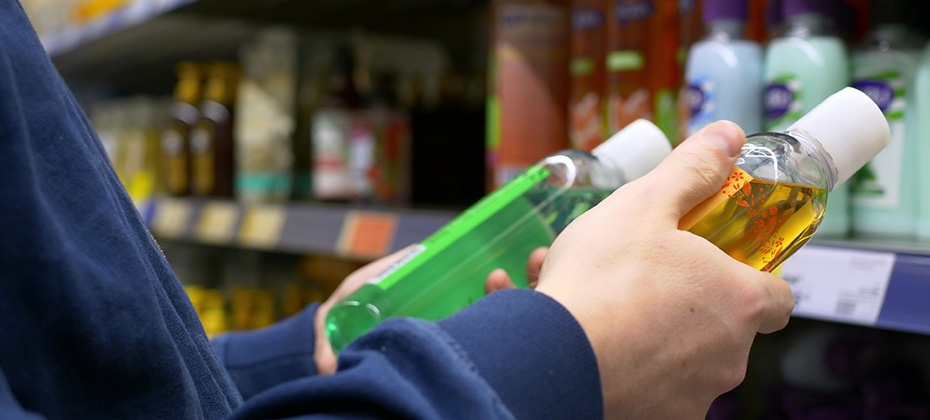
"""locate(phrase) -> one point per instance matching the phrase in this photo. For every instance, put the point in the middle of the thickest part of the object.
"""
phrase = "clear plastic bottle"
(447, 271)
(774, 200)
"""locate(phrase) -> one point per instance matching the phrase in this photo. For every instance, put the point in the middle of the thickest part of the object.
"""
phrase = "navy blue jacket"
(94, 324)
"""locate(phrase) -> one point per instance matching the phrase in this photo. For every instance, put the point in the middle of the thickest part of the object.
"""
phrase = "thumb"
(697, 168)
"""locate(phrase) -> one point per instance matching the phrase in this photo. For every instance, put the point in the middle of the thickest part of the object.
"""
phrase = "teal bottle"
(803, 67)
(885, 192)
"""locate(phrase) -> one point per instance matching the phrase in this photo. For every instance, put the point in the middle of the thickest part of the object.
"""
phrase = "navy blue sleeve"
(258, 360)
(9, 408)
(93, 323)
(515, 354)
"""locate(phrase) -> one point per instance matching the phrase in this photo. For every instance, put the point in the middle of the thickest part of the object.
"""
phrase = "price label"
(171, 218)
(367, 234)
(839, 284)
(262, 225)
(217, 222)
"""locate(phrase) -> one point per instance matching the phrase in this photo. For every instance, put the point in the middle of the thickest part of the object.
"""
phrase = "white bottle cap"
(635, 150)
(850, 127)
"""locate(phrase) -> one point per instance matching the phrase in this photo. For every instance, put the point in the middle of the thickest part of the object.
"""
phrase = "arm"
(10, 409)
(298, 347)
(668, 317)
(456, 368)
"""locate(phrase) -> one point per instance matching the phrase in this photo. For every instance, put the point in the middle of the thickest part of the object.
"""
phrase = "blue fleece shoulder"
(258, 360)
(533, 353)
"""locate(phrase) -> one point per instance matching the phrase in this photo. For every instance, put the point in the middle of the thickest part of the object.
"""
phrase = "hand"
(323, 353)
(670, 317)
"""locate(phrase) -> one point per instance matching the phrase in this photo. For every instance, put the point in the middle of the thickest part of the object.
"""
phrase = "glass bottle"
(211, 140)
(175, 140)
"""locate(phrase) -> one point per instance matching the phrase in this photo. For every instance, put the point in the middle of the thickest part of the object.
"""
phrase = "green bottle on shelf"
(447, 271)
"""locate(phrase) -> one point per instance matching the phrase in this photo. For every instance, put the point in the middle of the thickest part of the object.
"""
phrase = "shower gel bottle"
(775, 198)
(447, 271)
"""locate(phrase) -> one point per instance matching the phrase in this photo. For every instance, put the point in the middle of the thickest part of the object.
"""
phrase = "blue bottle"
(724, 70)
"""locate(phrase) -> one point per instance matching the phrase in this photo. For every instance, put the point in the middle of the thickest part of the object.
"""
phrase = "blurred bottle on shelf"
(130, 132)
(629, 27)
(664, 67)
(141, 166)
(315, 68)
(446, 138)
(804, 66)
(528, 85)
(331, 125)
(691, 31)
(922, 110)
(265, 119)
(586, 128)
(175, 141)
(724, 71)
(211, 139)
(885, 195)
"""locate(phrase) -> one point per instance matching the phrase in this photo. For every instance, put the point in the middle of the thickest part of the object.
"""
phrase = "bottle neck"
(807, 25)
(725, 30)
(817, 152)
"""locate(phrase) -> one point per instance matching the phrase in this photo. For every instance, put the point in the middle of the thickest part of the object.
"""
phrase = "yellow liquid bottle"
(774, 200)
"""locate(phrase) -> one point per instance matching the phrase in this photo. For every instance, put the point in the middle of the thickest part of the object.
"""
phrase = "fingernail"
(726, 136)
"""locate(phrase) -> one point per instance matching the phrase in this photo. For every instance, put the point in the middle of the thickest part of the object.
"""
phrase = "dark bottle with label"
(211, 142)
(175, 140)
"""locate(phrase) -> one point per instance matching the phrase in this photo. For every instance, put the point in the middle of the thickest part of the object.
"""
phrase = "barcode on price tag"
(839, 284)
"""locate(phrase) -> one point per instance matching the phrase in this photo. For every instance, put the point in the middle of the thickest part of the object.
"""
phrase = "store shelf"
(135, 48)
(865, 282)
(133, 14)
(347, 231)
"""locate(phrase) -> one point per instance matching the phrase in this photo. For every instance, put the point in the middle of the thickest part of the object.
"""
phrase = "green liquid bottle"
(447, 271)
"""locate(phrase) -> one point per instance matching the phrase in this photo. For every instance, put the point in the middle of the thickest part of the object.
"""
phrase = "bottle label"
(630, 11)
(782, 102)
(462, 225)
(701, 105)
(878, 184)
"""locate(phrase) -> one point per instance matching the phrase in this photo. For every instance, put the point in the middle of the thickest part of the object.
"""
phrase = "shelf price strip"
(367, 234)
(262, 226)
(217, 222)
(171, 218)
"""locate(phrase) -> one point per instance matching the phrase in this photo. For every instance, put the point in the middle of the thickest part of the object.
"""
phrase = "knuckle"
(731, 377)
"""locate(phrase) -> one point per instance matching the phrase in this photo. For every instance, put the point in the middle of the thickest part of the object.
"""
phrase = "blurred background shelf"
(355, 232)
(135, 47)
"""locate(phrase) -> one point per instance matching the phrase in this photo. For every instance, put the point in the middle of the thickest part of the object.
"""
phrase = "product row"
(236, 290)
(353, 121)
(761, 64)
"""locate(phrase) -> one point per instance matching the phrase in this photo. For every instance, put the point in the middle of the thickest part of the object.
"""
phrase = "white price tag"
(839, 284)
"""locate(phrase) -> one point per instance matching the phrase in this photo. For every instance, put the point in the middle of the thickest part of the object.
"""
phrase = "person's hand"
(670, 317)
(323, 353)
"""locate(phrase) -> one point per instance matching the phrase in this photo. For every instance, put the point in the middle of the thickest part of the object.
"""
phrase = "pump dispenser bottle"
(447, 271)
(777, 194)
